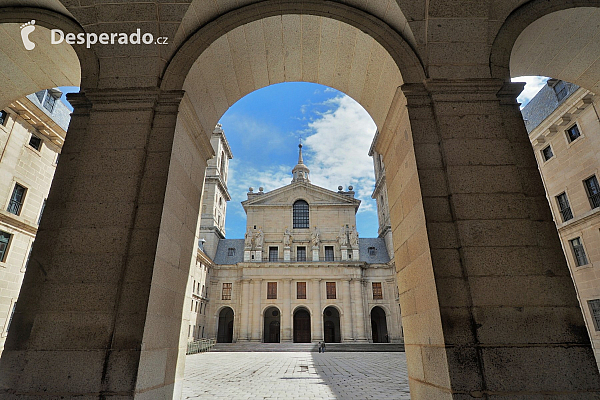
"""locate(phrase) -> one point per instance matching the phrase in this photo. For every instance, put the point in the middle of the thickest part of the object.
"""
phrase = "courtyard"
(296, 375)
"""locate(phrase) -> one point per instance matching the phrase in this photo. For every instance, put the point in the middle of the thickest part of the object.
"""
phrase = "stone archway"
(379, 329)
(225, 325)
(302, 326)
(331, 325)
(272, 325)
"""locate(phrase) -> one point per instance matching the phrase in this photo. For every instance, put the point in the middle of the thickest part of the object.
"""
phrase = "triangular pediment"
(314, 195)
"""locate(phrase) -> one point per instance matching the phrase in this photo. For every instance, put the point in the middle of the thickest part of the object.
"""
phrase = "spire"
(300, 171)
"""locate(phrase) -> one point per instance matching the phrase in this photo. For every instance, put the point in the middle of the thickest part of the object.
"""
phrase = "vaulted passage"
(272, 325)
(302, 326)
(225, 329)
(331, 325)
(379, 326)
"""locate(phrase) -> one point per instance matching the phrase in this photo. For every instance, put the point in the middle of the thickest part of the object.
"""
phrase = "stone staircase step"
(307, 347)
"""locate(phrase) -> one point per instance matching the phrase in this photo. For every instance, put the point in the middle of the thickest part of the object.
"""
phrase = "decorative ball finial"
(260, 189)
(340, 188)
(350, 187)
(251, 189)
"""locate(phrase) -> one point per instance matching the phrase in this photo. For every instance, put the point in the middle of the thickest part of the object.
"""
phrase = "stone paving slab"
(296, 375)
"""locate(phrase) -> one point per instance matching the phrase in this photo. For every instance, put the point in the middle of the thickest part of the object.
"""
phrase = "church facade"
(302, 274)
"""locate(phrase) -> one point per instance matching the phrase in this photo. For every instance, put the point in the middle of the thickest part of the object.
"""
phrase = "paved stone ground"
(300, 375)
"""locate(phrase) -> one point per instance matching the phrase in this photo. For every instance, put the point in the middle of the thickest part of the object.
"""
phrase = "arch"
(301, 215)
(404, 55)
(518, 20)
(88, 61)
(301, 325)
(379, 331)
(272, 324)
(225, 325)
(331, 325)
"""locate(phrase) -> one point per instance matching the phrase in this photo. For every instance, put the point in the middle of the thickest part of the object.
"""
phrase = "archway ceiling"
(292, 48)
(24, 72)
(563, 45)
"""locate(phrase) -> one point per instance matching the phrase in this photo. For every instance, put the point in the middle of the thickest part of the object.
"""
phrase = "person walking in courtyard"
(320, 346)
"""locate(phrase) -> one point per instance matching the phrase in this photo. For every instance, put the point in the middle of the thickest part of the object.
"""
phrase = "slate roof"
(543, 104)
(221, 258)
(380, 257)
(60, 113)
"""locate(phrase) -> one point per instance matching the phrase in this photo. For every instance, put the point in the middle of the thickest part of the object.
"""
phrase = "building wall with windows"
(198, 291)
(563, 122)
(32, 132)
(302, 274)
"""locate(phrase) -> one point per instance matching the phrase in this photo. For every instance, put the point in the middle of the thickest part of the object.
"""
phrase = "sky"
(264, 129)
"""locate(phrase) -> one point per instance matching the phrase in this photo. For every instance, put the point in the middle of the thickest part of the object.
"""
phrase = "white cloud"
(533, 84)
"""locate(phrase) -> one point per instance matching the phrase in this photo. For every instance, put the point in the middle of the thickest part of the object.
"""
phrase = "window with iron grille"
(231, 252)
(49, 102)
(301, 290)
(372, 251)
(573, 133)
(226, 291)
(271, 290)
(4, 241)
(273, 253)
(330, 286)
(595, 311)
(564, 206)
(328, 253)
(578, 251)
(300, 253)
(547, 153)
(300, 210)
(3, 116)
(41, 211)
(12, 314)
(17, 199)
(377, 292)
(593, 191)
(35, 142)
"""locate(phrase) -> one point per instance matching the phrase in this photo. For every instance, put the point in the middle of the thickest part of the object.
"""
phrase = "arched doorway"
(331, 325)
(302, 326)
(225, 327)
(271, 325)
(379, 326)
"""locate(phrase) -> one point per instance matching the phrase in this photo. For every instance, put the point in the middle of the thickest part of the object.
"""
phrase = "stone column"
(317, 317)
(358, 303)
(347, 334)
(286, 314)
(101, 299)
(487, 298)
(256, 317)
(246, 301)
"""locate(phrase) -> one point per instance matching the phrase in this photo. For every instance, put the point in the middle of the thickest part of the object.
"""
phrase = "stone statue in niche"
(353, 237)
(287, 237)
(343, 237)
(248, 239)
(258, 239)
(315, 237)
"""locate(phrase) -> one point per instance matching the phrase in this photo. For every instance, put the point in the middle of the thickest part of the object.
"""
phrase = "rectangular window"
(4, 241)
(564, 206)
(42, 211)
(17, 199)
(231, 252)
(330, 286)
(547, 153)
(301, 290)
(35, 142)
(578, 251)
(377, 292)
(273, 253)
(301, 253)
(561, 90)
(271, 290)
(593, 191)
(595, 311)
(328, 253)
(372, 251)
(226, 291)
(3, 116)
(573, 133)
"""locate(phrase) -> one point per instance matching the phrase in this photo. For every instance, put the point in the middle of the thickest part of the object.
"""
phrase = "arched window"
(301, 215)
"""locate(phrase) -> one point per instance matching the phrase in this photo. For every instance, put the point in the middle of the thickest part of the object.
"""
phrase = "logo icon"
(26, 29)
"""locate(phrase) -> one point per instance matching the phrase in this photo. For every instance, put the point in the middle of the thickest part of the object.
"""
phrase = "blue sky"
(263, 130)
